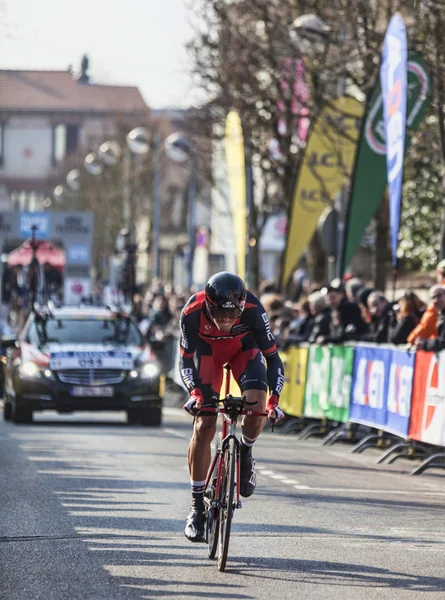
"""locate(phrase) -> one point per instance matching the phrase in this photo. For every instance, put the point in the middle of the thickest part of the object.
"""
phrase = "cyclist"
(222, 324)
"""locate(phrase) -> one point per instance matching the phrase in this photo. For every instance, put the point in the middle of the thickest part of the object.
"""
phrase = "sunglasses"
(225, 313)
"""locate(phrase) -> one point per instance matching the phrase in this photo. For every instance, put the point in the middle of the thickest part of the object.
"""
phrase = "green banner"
(338, 390)
(317, 380)
(328, 382)
(369, 178)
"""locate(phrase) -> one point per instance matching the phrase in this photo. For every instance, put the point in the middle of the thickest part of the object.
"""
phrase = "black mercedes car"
(77, 359)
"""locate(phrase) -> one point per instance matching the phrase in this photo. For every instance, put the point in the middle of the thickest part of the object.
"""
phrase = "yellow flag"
(327, 163)
(236, 175)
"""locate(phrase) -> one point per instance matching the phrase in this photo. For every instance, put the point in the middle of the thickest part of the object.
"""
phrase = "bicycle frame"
(228, 431)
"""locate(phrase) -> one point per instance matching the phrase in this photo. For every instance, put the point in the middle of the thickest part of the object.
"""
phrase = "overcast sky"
(135, 42)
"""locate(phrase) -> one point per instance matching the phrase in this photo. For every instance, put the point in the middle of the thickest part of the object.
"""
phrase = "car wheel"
(7, 411)
(151, 417)
(21, 414)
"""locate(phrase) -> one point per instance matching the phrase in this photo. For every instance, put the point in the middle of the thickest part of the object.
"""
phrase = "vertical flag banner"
(369, 179)
(236, 174)
(394, 79)
(327, 162)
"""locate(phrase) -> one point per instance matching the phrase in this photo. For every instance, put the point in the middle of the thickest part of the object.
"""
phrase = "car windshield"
(85, 331)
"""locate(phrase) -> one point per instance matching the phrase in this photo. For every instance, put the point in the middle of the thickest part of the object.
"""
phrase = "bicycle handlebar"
(218, 410)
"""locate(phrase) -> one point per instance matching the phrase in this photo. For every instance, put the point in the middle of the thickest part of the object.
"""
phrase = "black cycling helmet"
(225, 295)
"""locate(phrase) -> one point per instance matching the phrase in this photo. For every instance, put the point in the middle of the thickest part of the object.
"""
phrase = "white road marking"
(366, 491)
(302, 487)
(175, 433)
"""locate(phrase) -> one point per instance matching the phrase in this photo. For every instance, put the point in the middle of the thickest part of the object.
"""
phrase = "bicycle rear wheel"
(227, 503)
(212, 510)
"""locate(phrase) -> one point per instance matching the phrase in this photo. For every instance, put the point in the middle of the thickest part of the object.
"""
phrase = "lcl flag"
(393, 78)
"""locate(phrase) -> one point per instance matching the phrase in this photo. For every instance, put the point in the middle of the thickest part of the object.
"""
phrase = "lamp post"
(179, 149)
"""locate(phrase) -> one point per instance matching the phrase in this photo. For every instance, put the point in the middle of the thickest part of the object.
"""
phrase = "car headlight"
(29, 370)
(149, 371)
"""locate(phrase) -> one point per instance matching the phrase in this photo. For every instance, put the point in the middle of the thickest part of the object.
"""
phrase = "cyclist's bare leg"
(199, 462)
(199, 452)
(253, 426)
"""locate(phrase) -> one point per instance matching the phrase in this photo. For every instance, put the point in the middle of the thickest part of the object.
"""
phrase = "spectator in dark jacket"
(303, 330)
(322, 316)
(437, 297)
(382, 319)
(408, 313)
(362, 301)
(346, 320)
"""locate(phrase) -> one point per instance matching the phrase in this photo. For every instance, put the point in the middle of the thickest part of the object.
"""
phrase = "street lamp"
(310, 35)
(58, 192)
(179, 149)
(110, 153)
(92, 164)
(73, 180)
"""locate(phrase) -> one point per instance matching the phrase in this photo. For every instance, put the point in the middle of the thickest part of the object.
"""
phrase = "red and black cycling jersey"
(250, 332)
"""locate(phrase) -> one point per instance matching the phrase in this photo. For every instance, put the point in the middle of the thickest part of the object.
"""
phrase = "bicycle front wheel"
(212, 509)
(227, 503)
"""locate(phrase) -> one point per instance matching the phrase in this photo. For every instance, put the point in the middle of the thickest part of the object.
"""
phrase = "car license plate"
(96, 392)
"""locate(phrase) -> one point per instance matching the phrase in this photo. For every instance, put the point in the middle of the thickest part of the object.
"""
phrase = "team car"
(77, 359)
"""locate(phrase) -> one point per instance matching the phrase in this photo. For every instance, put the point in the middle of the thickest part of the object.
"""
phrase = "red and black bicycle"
(222, 495)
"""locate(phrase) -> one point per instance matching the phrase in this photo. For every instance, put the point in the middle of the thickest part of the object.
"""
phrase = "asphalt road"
(94, 509)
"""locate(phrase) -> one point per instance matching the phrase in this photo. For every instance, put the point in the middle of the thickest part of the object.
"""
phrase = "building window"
(59, 143)
(65, 141)
(72, 138)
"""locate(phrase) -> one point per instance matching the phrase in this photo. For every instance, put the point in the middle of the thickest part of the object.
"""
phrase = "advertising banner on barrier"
(427, 422)
(292, 397)
(401, 374)
(338, 389)
(370, 385)
(317, 381)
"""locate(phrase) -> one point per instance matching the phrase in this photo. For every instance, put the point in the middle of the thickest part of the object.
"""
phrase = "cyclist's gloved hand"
(195, 402)
(275, 412)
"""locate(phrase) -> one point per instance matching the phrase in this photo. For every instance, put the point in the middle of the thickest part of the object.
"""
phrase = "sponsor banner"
(327, 162)
(338, 390)
(370, 385)
(292, 396)
(317, 381)
(90, 360)
(77, 270)
(236, 175)
(29, 219)
(74, 289)
(8, 225)
(369, 179)
(393, 79)
(427, 422)
(400, 383)
(74, 227)
(78, 254)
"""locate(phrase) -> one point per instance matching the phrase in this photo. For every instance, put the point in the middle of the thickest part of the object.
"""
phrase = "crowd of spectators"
(342, 311)
(348, 310)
